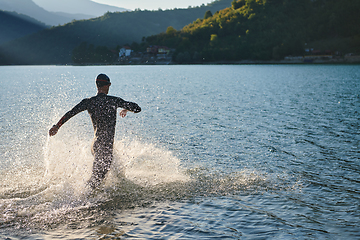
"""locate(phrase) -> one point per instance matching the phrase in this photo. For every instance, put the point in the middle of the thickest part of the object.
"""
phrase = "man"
(102, 109)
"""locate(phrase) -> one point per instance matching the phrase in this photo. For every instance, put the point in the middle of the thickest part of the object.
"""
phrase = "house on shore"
(125, 51)
(160, 52)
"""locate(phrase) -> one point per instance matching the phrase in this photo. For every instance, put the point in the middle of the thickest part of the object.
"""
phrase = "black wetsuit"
(102, 109)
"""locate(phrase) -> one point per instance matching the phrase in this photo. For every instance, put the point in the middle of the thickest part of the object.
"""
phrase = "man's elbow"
(137, 110)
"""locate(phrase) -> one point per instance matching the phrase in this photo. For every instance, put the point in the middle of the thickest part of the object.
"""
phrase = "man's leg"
(102, 162)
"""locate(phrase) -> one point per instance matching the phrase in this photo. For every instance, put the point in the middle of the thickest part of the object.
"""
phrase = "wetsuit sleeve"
(131, 106)
(82, 106)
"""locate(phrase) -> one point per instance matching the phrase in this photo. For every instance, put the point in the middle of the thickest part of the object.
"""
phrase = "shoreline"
(354, 60)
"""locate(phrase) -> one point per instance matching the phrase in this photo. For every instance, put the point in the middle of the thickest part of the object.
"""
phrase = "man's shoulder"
(86, 100)
(114, 98)
(104, 97)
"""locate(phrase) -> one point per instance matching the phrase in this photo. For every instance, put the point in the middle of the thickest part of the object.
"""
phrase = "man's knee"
(102, 163)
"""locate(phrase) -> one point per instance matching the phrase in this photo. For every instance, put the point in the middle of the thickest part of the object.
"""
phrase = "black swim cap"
(102, 80)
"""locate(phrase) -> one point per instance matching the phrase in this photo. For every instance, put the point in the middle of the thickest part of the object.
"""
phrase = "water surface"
(223, 151)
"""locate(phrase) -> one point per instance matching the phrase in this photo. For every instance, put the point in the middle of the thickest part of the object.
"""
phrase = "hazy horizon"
(135, 4)
(154, 5)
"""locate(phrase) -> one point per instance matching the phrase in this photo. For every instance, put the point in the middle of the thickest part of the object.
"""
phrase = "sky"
(154, 4)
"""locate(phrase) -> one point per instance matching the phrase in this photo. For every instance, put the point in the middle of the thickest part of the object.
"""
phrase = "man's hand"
(53, 130)
(123, 113)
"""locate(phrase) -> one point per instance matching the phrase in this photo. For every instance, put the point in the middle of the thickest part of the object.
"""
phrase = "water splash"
(147, 165)
(51, 193)
(68, 164)
(141, 173)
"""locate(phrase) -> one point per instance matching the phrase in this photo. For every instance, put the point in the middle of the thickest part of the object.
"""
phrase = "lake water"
(218, 152)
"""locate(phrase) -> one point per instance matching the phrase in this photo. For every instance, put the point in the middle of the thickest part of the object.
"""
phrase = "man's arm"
(82, 106)
(135, 109)
(132, 107)
(128, 106)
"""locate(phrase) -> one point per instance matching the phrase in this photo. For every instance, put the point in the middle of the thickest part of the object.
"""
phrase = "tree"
(89, 54)
(213, 39)
(170, 30)
(208, 14)
(79, 53)
(237, 4)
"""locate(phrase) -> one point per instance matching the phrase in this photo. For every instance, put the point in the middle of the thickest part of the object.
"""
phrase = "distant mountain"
(64, 11)
(28, 7)
(85, 7)
(55, 45)
(70, 17)
(14, 25)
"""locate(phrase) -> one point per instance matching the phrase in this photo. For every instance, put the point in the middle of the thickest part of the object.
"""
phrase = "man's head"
(102, 80)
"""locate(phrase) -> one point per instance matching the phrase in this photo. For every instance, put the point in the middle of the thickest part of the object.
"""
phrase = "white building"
(125, 51)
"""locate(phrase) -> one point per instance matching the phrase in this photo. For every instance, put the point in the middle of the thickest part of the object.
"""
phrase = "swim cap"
(102, 80)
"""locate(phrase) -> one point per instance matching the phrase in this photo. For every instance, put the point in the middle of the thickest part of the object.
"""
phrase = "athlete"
(102, 109)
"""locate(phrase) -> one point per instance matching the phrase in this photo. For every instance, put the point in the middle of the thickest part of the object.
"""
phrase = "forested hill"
(55, 45)
(267, 29)
(14, 25)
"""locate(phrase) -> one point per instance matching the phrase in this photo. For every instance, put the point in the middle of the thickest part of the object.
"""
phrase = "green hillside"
(267, 29)
(55, 45)
(15, 25)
